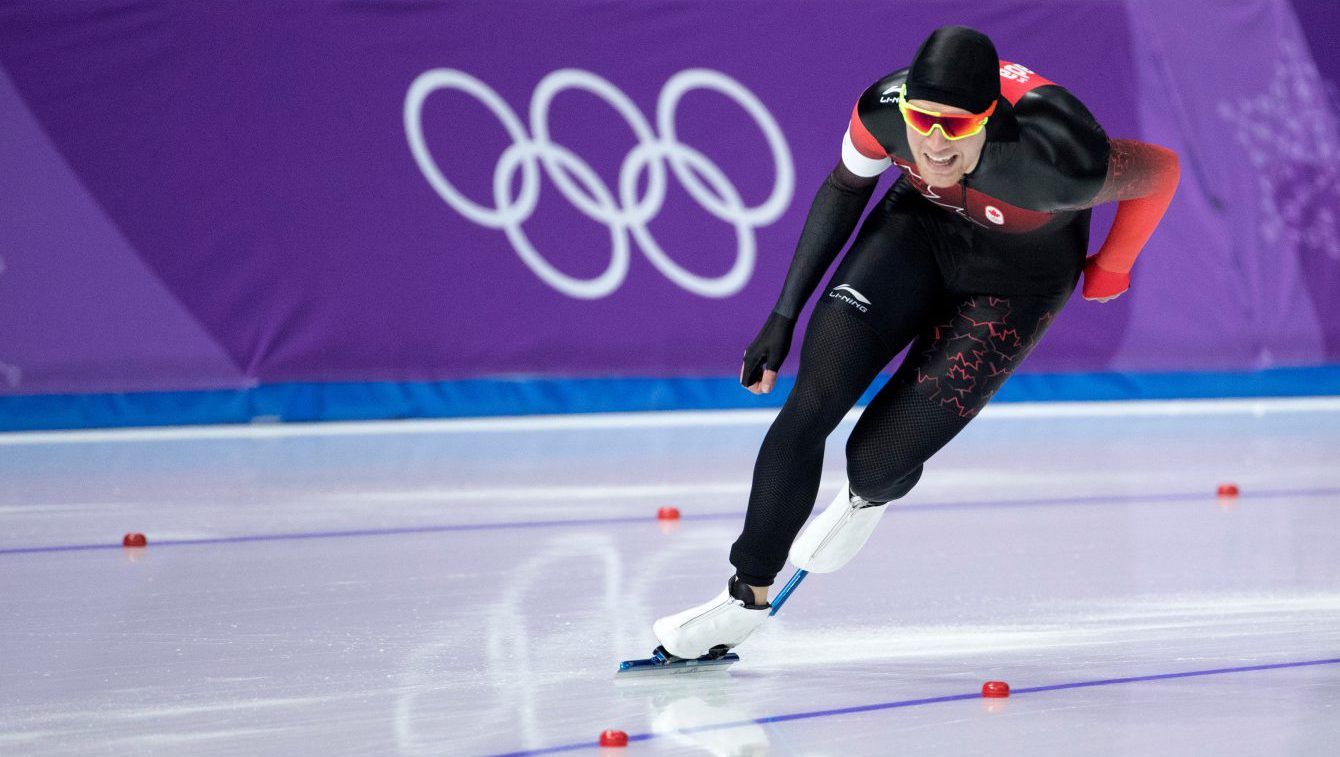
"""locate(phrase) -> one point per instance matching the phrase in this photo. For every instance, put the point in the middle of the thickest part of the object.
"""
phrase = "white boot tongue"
(831, 540)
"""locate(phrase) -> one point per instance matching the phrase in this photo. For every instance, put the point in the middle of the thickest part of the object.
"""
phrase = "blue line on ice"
(967, 505)
(931, 700)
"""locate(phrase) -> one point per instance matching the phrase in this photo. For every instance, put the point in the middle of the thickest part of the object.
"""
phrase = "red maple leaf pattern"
(965, 361)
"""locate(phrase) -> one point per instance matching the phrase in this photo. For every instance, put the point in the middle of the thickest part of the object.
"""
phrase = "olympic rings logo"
(624, 215)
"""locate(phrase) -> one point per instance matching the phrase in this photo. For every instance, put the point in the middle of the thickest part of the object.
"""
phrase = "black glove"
(768, 348)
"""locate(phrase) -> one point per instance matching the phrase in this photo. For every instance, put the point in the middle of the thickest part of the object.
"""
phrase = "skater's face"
(943, 162)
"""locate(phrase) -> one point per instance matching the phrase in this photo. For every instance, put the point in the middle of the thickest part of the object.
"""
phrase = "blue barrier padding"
(343, 401)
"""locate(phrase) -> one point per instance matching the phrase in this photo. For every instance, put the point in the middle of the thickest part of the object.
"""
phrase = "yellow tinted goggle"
(954, 126)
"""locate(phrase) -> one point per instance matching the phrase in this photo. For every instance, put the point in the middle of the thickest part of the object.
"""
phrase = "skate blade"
(660, 666)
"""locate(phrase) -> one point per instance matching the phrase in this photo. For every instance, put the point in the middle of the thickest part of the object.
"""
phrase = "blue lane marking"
(364, 532)
(930, 700)
(966, 505)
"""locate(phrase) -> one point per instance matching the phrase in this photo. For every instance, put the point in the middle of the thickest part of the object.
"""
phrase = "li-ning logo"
(847, 294)
(577, 181)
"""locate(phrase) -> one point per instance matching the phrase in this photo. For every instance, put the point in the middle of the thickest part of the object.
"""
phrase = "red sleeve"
(862, 139)
(1142, 178)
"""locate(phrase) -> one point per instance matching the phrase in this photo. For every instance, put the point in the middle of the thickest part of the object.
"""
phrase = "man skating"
(968, 258)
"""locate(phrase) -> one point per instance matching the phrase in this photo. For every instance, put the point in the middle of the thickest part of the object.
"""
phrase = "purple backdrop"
(222, 194)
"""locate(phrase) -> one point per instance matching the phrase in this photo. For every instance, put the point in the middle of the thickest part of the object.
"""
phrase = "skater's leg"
(948, 376)
(840, 357)
(878, 300)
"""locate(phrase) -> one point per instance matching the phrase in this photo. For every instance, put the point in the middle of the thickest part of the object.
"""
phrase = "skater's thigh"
(949, 374)
(974, 345)
(889, 280)
(877, 301)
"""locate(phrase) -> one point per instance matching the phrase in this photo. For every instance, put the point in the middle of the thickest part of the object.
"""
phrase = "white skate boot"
(833, 539)
(724, 622)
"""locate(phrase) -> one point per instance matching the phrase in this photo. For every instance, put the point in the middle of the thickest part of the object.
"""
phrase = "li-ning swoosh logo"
(855, 294)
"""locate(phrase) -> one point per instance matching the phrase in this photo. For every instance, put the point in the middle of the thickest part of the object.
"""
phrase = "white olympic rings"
(622, 211)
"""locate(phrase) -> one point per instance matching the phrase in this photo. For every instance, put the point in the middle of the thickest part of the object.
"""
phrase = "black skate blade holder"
(662, 662)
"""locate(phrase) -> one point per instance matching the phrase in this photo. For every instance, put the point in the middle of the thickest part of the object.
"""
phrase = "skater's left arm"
(1142, 178)
(833, 215)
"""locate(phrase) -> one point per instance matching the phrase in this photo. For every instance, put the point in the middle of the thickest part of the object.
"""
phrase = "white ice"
(468, 588)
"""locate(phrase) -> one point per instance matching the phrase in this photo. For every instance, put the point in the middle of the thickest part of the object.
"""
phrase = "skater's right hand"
(1101, 284)
(768, 349)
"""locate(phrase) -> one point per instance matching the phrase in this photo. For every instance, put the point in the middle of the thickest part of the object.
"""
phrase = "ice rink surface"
(469, 587)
